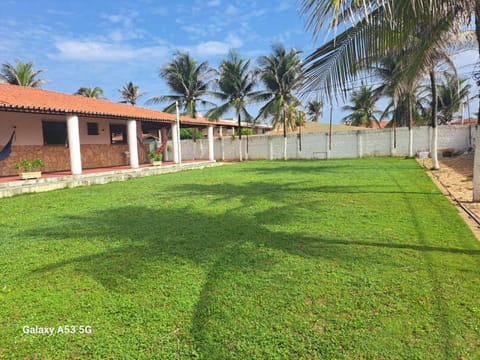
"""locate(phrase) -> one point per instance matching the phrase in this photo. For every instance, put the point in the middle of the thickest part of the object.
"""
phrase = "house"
(72, 133)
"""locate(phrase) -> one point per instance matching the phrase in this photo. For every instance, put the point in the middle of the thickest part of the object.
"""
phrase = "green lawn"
(350, 259)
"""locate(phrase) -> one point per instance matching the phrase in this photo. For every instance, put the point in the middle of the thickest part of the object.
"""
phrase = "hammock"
(163, 145)
(160, 150)
(7, 149)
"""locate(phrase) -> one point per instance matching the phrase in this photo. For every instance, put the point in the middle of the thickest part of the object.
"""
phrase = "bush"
(245, 131)
(191, 133)
(156, 156)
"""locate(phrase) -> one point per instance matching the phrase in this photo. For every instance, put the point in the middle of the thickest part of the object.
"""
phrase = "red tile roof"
(465, 121)
(27, 99)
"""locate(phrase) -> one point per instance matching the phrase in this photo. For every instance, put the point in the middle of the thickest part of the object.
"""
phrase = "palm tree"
(377, 28)
(281, 72)
(363, 110)
(21, 74)
(236, 83)
(188, 81)
(374, 28)
(402, 92)
(315, 110)
(452, 94)
(95, 93)
(294, 117)
(130, 93)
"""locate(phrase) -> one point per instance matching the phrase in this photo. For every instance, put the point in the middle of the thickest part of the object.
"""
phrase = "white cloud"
(120, 35)
(125, 20)
(103, 51)
(159, 11)
(214, 48)
(231, 10)
(213, 3)
(234, 41)
(121, 26)
(210, 48)
(283, 5)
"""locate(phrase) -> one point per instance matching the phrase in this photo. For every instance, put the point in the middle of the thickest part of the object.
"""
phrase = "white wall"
(29, 128)
(345, 144)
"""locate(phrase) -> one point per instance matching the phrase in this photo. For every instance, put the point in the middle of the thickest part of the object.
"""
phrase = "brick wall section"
(57, 158)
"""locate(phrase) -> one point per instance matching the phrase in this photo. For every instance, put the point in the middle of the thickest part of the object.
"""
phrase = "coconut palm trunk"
(434, 140)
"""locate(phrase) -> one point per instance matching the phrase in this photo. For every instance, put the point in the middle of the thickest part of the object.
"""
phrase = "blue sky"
(107, 43)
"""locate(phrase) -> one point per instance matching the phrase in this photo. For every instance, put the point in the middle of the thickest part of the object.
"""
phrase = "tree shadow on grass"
(240, 257)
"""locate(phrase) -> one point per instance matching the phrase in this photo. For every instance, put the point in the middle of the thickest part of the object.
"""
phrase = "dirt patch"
(454, 179)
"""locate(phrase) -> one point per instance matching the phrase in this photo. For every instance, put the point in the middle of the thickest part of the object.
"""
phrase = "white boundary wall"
(345, 144)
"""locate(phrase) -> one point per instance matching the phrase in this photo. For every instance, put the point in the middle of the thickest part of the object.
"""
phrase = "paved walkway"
(13, 185)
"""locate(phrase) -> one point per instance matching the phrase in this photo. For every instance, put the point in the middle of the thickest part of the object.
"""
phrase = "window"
(92, 128)
(54, 132)
(118, 134)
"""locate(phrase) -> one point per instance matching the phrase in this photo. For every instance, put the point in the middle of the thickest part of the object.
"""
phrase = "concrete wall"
(345, 144)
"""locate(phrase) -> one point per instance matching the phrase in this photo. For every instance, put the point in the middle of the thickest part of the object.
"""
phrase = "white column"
(175, 143)
(392, 141)
(179, 142)
(74, 144)
(270, 148)
(410, 142)
(222, 145)
(211, 155)
(328, 151)
(359, 143)
(132, 143)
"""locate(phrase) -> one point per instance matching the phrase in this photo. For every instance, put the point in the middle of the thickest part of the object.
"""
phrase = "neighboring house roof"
(465, 121)
(35, 100)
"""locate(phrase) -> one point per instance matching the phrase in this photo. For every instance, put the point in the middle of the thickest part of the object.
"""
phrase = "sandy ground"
(454, 179)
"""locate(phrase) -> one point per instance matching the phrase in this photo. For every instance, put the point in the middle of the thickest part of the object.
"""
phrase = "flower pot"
(30, 175)
(156, 162)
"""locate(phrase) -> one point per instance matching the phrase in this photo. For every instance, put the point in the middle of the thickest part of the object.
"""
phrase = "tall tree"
(452, 94)
(315, 110)
(363, 108)
(378, 27)
(130, 93)
(236, 85)
(96, 92)
(281, 73)
(188, 81)
(401, 91)
(22, 74)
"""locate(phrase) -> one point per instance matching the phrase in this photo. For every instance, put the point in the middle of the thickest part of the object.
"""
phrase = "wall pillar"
(74, 144)
(360, 143)
(132, 143)
(392, 141)
(328, 151)
(211, 154)
(270, 148)
(175, 143)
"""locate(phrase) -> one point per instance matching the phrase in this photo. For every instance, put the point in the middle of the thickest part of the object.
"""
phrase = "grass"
(350, 259)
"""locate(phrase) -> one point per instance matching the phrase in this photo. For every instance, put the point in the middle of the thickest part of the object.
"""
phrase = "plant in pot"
(29, 167)
(156, 158)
